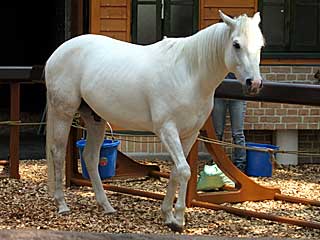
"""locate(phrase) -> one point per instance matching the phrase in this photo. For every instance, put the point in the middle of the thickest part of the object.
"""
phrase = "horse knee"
(184, 172)
(90, 160)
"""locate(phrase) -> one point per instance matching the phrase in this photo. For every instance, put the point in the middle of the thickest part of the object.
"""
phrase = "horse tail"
(49, 138)
(51, 168)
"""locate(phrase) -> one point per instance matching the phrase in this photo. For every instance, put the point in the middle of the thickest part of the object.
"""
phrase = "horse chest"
(192, 117)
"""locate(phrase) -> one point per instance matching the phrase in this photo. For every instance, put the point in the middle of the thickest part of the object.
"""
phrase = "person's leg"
(219, 116)
(237, 110)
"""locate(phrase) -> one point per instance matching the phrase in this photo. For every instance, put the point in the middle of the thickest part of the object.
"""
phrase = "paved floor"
(56, 235)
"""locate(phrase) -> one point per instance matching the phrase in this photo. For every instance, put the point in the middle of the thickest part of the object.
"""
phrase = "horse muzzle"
(253, 86)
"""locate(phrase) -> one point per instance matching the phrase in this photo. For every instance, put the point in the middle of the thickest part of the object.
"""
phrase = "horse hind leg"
(58, 127)
(95, 134)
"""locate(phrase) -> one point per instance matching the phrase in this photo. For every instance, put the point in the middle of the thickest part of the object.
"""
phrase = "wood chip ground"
(25, 204)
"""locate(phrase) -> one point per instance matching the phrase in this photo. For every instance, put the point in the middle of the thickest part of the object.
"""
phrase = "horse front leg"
(187, 144)
(179, 176)
(166, 207)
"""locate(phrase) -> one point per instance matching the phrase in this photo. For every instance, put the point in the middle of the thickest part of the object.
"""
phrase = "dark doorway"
(30, 31)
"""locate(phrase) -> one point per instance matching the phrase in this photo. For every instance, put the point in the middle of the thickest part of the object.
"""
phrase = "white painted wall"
(287, 140)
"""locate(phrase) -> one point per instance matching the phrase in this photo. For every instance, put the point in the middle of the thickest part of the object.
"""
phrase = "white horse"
(166, 87)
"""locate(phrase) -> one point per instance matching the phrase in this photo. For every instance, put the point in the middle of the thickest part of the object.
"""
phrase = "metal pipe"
(15, 73)
(159, 174)
(4, 162)
(289, 93)
(260, 215)
(83, 182)
(287, 198)
(236, 211)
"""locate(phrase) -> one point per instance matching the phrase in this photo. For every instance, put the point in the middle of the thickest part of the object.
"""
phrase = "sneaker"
(212, 178)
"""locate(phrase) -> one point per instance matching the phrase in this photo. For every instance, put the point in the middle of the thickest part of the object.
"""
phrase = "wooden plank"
(207, 23)
(256, 5)
(111, 18)
(212, 12)
(129, 21)
(113, 25)
(229, 3)
(114, 3)
(201, 14)
(113, 12)
(95, 16)
(116, 35)
(208, 10)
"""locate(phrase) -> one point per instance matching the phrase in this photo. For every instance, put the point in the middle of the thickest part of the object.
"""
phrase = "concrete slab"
(61, 235)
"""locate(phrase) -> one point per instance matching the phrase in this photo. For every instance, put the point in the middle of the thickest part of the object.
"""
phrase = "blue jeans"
(236, 110)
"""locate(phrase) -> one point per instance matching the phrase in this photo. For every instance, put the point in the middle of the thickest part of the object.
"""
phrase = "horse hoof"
(64, 211)
(110, 211)
(107, 209)
(175, 227)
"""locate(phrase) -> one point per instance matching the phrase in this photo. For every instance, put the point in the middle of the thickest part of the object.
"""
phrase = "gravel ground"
(25, 204)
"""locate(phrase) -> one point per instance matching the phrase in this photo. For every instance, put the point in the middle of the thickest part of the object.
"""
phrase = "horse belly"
(119, 103)
(123, 115)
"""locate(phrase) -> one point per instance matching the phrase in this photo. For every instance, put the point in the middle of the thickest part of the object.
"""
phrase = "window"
(154, 19)
(291, 28)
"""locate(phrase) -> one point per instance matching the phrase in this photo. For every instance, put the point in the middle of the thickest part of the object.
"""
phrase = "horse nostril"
(249, 82)
(261, 84)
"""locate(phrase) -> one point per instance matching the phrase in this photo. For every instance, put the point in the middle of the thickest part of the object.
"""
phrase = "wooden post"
(14, 130)
(71, 157)
(192, 184)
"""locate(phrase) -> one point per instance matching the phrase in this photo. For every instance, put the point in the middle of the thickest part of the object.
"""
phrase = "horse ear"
(228, 20)
(256, 18)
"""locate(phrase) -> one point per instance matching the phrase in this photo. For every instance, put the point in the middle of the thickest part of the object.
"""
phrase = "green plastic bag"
(212, 178)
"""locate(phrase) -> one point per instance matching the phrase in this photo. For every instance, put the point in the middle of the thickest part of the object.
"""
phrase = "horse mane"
(203, 49)
(207, 46)
(243, 21)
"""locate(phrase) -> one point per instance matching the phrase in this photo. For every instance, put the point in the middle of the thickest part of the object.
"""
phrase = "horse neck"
(207, 52)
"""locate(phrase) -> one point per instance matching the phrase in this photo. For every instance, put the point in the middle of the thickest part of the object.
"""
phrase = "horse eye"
(236, 45)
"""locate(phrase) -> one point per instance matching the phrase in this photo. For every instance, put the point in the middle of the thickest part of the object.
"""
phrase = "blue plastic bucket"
(108, 158)
(259, 163)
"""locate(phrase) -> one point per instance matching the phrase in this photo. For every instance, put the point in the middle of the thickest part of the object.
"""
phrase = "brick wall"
(263, 119)
(273, 116)
(297, 74)
(146, 145)
(309, 141)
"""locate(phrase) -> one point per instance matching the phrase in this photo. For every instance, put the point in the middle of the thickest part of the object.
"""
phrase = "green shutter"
(181, 18)
(291, 28)
(305, 32)
(151, 22)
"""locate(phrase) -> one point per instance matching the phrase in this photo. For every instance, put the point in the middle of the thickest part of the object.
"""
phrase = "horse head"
(242, 55)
